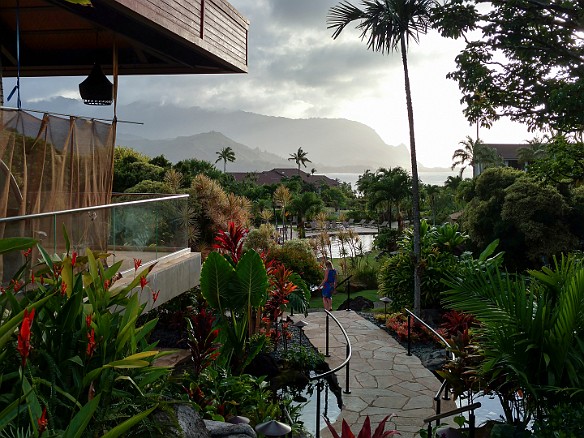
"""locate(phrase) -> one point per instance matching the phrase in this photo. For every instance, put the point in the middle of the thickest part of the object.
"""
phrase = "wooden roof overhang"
(152, 37)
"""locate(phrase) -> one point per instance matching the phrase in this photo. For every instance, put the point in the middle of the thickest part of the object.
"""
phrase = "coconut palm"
(390, 25)
(528, 154)
(304, 204)
(226, 154)
(299, 158)
(282, 196)
(465, 156)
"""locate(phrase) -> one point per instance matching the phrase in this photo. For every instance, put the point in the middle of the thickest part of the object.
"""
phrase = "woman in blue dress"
(328, 285)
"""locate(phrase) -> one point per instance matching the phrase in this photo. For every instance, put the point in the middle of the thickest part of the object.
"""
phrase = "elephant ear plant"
(72, 360)
(236, 293)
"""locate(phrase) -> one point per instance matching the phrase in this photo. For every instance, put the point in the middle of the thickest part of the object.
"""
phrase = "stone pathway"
(383, 379)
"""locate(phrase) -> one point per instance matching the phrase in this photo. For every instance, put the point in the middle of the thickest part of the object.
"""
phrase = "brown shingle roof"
(275, 176)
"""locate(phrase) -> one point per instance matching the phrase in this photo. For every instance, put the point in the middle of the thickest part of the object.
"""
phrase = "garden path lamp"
(273, 428)
(300, 324)
(385, 300)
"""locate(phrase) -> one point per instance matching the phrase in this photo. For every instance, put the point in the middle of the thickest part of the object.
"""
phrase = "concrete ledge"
(172, 277)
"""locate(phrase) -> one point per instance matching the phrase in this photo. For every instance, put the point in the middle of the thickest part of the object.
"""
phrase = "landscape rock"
(218, 429)
(357, 304)
(190, 423)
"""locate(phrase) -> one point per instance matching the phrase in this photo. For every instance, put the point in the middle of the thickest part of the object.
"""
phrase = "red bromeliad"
(231, 241)
(24, 335)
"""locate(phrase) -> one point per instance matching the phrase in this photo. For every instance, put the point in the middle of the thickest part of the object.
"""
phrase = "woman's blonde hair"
(329, 264)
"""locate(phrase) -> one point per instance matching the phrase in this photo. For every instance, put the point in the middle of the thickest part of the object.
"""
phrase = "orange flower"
(24, 335)
(143, 282)
(16, 285)
(43, 422)
(107, 284)
(88, 320)
(137, 264)
(91, 345)
(63, 288)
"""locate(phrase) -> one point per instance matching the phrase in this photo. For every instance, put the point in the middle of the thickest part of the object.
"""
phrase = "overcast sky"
(297, 70)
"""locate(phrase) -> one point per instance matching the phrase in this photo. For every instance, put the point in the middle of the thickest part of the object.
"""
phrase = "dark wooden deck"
(58, 38)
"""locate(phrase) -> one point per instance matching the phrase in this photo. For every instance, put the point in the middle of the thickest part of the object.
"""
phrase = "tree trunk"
(415, 183)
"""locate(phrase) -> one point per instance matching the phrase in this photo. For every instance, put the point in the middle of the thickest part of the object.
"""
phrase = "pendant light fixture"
(96, 89)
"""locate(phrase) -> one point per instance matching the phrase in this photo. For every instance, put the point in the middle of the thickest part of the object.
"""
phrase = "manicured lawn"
(316, 302)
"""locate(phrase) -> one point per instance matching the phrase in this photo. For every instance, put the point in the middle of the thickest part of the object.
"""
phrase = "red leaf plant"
(230, 242)
(365, 432)
(457, 322)
(24, 335)
(202, 339)
(280, 288)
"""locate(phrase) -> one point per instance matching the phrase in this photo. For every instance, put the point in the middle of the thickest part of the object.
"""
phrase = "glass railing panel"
(145, 229)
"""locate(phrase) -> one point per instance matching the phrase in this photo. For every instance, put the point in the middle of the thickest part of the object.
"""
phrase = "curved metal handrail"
(438, 335)
(349, 351)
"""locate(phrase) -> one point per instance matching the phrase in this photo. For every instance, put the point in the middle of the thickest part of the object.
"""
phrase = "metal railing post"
(319, 386)
(409, 335)
(326, 354)
(471, 424)
(348, 295)
(348, 354)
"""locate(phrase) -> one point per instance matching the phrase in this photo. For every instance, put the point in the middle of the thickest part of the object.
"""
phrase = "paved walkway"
(383, 379)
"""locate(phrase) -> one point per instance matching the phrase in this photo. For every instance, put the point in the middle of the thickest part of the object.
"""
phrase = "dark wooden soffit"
(153, 37)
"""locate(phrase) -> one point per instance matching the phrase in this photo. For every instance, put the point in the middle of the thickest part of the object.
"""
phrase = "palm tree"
(299, 158)
(302, 205)
(389, 25)
(282, 196)
(465, 156)
(226, 154)
(528, 154)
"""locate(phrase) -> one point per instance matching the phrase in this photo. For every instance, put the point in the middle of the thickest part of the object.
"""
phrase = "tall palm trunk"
(415, 182)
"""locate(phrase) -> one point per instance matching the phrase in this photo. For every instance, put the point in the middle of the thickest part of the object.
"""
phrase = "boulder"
(218, 429)
(190, 423)
(357, 304)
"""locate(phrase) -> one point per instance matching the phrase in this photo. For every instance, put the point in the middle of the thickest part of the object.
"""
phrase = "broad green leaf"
(253, 282)
(126, 363)
(121, 429)
(80, 421)
(46, 257)
(16, 243)
(141, 355)
(216, 275)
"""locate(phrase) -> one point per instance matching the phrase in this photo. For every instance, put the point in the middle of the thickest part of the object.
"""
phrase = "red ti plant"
(365, 432)
(281, 286)
(230, 242)
(202, 339)
(457, 322)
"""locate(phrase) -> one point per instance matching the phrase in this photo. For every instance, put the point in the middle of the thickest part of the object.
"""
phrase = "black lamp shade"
(96, 89)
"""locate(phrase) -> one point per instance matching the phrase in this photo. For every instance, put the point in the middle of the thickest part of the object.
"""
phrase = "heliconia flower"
(63, 288)
(43, 422)
(57, 271)
(16, 285)
(2, 290)
(88, 320)
(155, 295)
(137, 264)
(24, 335)
(91, 345)
(32, 277)
(107, 284)
(27, 253)
(143, 282)
(73, 258)
(42, 280)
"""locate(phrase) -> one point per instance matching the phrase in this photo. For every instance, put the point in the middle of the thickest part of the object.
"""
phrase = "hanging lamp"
(96, 89)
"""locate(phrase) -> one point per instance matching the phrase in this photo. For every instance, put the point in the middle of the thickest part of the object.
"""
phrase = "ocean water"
(433, 178)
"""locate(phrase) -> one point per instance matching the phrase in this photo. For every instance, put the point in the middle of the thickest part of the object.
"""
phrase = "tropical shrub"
(386, 240)
(398, 323)
(261, 239)
(530, 332)
(297, 255)
(364, 277)
(72, 359)
(442, 249)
